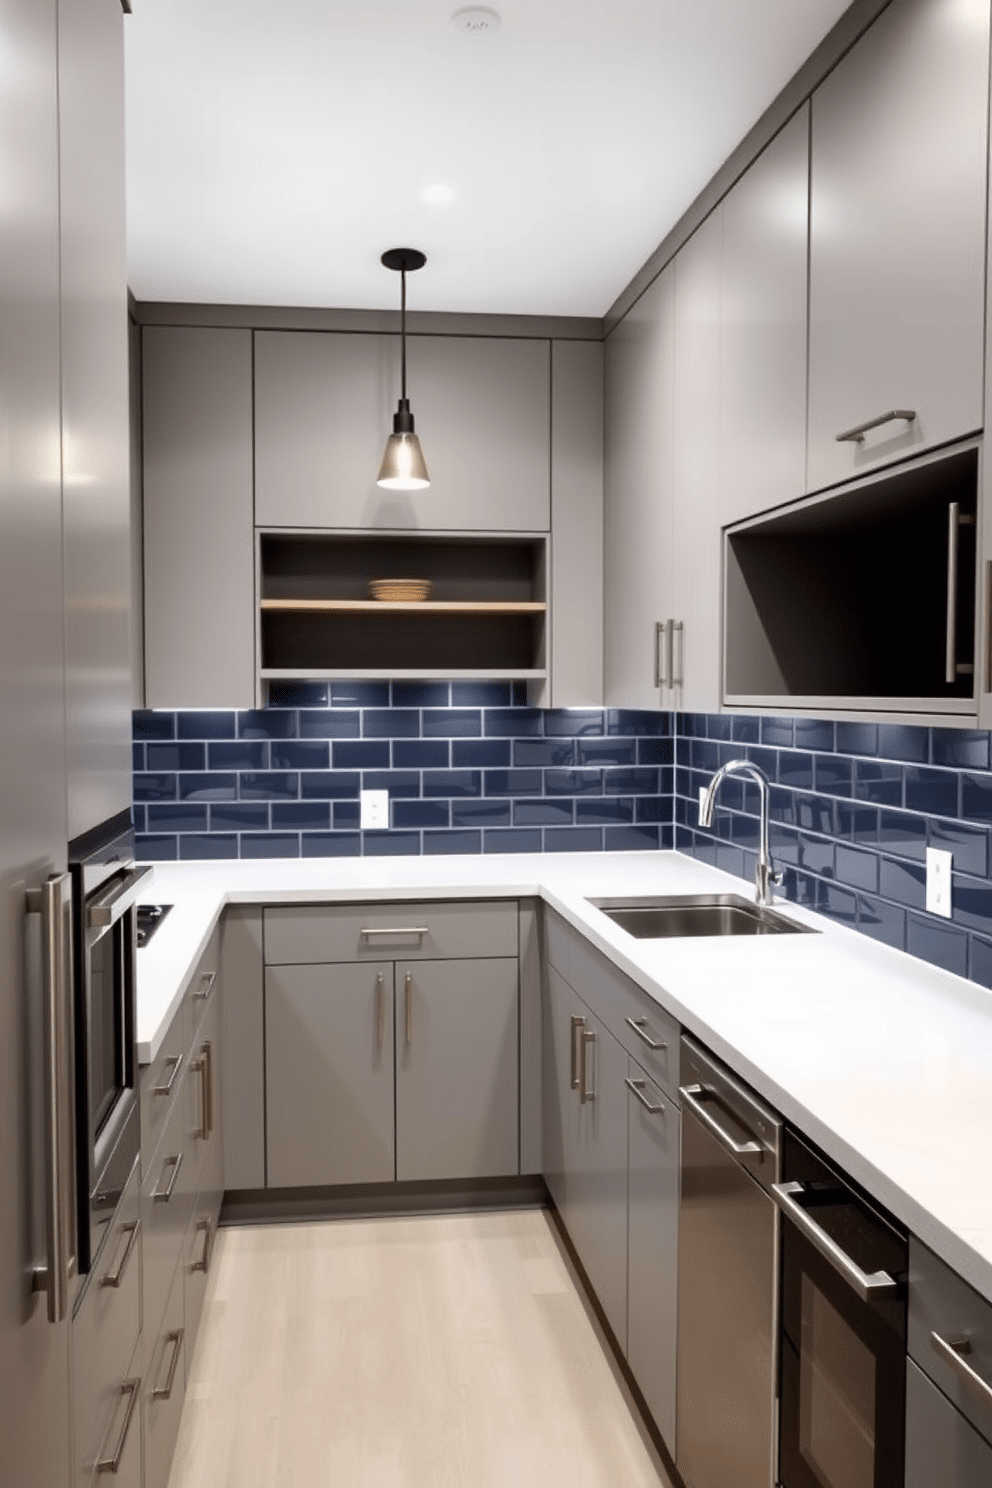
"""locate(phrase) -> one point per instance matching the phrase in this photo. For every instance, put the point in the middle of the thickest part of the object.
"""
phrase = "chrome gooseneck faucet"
(765, 878)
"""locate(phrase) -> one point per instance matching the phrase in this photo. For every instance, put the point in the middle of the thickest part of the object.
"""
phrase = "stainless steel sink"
(684, 915)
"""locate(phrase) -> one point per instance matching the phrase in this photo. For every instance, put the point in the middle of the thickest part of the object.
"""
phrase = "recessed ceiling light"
(438, 195)
(476, 20)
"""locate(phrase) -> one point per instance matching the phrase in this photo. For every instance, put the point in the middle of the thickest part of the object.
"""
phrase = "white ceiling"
(276, 147)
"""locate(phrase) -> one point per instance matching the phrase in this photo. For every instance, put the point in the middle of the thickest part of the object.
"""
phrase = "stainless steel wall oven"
(105, 887)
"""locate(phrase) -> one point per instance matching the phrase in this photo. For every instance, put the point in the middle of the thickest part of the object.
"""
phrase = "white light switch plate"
(374, 809)
(939, 882)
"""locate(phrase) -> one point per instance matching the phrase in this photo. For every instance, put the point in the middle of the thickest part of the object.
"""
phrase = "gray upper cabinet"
(95, 412)
(897, 238)
(638, 477)
(199, 542)
(324, 403)
(763, 285)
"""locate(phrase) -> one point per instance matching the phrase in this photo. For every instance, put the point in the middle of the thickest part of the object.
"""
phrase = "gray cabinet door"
(897, 236)
(324, 405)
(457, 1104)
(199, 540)
(329, 1074)
(561, 1108)
(637, 495)
(95, 412)
(763, 287)
(942, 1447)
(652, 1246)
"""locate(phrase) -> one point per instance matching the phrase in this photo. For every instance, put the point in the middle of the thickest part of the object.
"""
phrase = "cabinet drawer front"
(104, 1337)
(202, 1104)
(941, 1446)
(164, 1388)
(161, 1082)
(202, 991)
(652, 1246)
(164, 1219)
(376, 932)
(940, 1302)
(198, 1255)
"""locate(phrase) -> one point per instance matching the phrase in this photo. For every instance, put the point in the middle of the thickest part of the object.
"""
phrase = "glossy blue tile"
(904, 883)
(391, 844)
(360, 694)
(757, 754)
(856, 738)
(971, 903)
(783, 844)
(720, 726)
(210, 785)
(573, 782)
(683, 839)
(508, 840)
(815, 734)
(391, 723)
(269, 785)
(399, 783)
(962, 748)
(745, 729)
(816, 856)
(683, 752)
(884, 922)
(905, 835)
(329, 785)
(452, 723)
(239, 754)
(683, 783)
(330, 723)
(604, 811)
(558, 811)
(937, 942)
(980, 963)
(666, 780)
(420, 814)
(237, 816)
(903, 742)
(833, 775)
(331, 845)
(573, 722)
(837, 903)
(976, 798)
(799, 888)
(969, 845)
(745, 831)
(654, 809)
(639, 780)
(543, 753)
(453, 783)
(177, 817)
(360, 754)
(299, 816)
(619, 752)
(655, 752)
(346, 816)
(481, 695)
(265, 723)
(200, 724)
(300, 754)
(729, 859)
(176, 756)
(154, 848)
(420, 694)
(795, 769)
(480, 754)
(137, 757)
(147, 724)
(631, 839)
(272, 845)
(420, 754)
(573, 839)
(193, 847)
(777, 733)
(881, 783)
(936, 791)
(512, 782)
(487, 811)
(783, 807)
(638, 722)
(666, 837)
(512, 723)
(857, 868)
(691, 725)
(297, 694)
(138, 818)
(518, 698)
(859, 823)
(705, 755)
(452, 842)
(154, 787)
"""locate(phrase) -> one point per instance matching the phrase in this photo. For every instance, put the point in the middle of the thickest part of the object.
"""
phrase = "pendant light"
(403, 465)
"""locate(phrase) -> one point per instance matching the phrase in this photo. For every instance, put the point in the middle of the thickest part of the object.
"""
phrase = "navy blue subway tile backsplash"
(469, 768)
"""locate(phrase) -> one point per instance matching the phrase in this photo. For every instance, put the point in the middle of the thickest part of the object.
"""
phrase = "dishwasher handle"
(869, 1287)
(690, 1095)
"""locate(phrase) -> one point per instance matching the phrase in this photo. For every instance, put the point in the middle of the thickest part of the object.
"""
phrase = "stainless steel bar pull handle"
(380, 1008)
(953, 1351)
(162, 1392)
(53, 901)
(868, 1287)
(201, 1066)
(176, 1062)
(678, 676)
(114, 1278)
(131, 1388)
(857, 434)
(586, 1093)
(636, 1088)
(638, 1025)
(577, 1025)
(663, 653)
(690, 1097)
(163, 1195)
(394, 930)
(409, 1007)
(955, 521)
(204, 1227)
(206, 986)
(108, 908)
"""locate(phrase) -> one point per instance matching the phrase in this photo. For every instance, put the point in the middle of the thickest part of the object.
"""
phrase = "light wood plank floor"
(447, 1351)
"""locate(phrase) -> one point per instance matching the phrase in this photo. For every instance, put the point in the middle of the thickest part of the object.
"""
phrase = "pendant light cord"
(403, 331)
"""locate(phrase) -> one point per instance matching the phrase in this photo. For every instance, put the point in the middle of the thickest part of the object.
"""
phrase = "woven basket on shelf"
(406, 590)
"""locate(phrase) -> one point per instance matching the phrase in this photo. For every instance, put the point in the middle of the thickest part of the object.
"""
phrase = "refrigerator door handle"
(53, 901)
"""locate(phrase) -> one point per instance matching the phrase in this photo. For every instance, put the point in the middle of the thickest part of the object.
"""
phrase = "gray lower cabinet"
(164, 1387)
(942, 1447)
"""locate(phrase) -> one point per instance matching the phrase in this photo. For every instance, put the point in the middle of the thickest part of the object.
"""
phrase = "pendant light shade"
(403, 466)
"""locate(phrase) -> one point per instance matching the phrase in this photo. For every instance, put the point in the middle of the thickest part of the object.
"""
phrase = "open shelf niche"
(486, 615)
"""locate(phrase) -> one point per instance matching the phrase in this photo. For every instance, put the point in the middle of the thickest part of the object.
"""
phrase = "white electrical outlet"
(702, 798)
(374, 809)
(939, 882)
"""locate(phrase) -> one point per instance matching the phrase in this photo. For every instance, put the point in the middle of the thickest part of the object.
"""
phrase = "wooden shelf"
(411, 607)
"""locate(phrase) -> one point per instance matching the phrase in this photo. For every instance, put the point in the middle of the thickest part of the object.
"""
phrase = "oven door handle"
(870, 1288)
(104, 910)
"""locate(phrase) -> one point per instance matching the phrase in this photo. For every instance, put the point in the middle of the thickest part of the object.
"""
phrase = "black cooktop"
(150, 916)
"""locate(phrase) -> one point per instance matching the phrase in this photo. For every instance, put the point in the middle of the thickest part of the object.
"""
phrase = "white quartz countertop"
(882, 1060)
